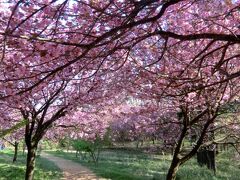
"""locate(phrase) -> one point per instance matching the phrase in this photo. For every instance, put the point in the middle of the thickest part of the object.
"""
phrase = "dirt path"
(71, 170)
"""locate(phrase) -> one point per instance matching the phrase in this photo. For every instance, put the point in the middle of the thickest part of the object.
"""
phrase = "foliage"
(82, 145)
(62, 143)
(11, 130)
(91, 147)
(231, 107)
(49, 144)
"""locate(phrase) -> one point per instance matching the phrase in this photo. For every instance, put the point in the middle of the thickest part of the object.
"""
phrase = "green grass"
(131, 165)
(45, 170)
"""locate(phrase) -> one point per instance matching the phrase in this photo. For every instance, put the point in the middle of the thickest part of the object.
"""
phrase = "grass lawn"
(45, 170)
(130, 165)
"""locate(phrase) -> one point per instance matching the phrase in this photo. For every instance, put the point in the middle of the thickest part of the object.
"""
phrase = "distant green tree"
(84, 147)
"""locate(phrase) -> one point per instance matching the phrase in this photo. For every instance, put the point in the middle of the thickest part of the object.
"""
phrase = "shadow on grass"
(124, 165)
(45, 170)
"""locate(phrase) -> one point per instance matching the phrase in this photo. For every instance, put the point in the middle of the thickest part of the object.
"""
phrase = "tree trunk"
(207, 157)
(76, 154)
(92, 154)
(172, 172)
(68, 145)
(15, 151)
(98, 154)
(24, 147)
(31, 157)
(176, 161)
(137, 144)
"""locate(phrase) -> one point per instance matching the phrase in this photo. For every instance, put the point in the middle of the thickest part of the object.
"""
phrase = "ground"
(134, 165)
(72, 170)
(116, 164)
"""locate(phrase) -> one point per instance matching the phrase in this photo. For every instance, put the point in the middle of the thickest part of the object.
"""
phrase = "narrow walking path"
(70, 169)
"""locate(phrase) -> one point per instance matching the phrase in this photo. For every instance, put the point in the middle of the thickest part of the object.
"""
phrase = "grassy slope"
(8, 171)
(122, 165)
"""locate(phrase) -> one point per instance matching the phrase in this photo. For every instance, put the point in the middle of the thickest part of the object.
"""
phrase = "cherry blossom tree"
(144, 120)
(175, 50)
(12, 130)
(85, 123)
(85, 129)
(198, 107)
(42, 38)
(42, 108)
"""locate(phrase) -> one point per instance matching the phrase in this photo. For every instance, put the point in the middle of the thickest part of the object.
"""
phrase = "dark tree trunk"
(92, 154)
(31, 157)
(68, 145)
(217, 149)
(176, 162)
(137, 144)
(207, 157)
(172, 171)
(179, 160)
(35, 129)
(15, 151)
(76, 154)
(153, 141)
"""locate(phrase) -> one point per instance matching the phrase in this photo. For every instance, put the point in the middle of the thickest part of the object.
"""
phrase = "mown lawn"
(131, 165)
(45, 170)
